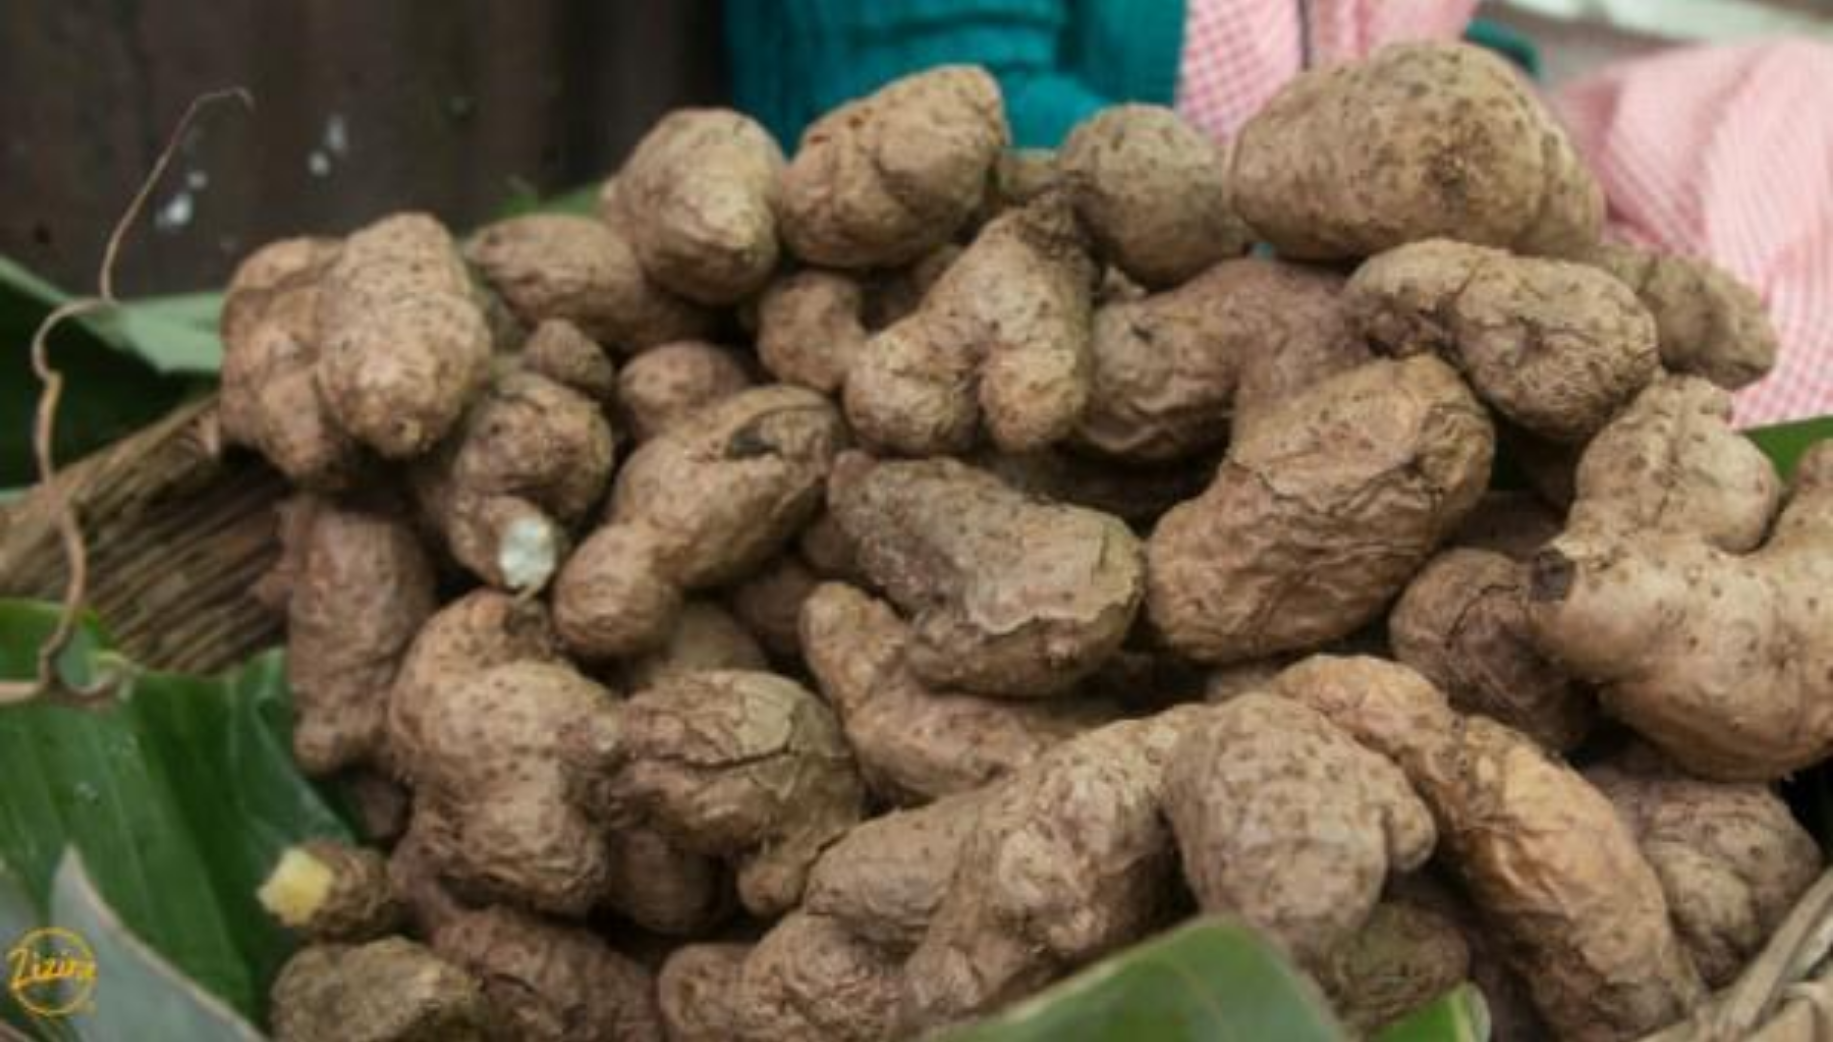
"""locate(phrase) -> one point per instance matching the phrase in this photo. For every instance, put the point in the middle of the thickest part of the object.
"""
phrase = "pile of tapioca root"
(836, 595)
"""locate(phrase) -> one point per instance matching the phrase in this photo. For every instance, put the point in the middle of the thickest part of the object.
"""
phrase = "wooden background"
(363, 106)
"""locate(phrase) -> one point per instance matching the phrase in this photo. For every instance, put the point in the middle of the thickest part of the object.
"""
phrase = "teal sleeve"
(1044, 106)
(794, 59)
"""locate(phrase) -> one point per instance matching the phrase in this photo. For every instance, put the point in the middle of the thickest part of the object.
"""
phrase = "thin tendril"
(44, 430)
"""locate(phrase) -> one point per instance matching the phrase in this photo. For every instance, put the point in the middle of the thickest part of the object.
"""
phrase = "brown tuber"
(885, 179)
(560, 351)
(559, 266)
(1172, 368)
(1556, 347)
(1463, 623)
(546, 981)
(1402, 958)
(1069, 859)
(362, 587)
(391, 990)
(550, 982)
(915, 742)
(1709, 324)
(481, 630)
(1732, 859)
(1015, 362)
(330, 891)
(404, 346)
(527, 464)
(697, 199)
(810, 329)
(886, 877)
(508, 762)
(1541, 852)
(1417, 140)
(700, 506)
(666, 385)
(1153, 191)
(1699, 618)
(1323, 509)
(1007, 595)
(1283, 821)
(270, 399)
(743, 765)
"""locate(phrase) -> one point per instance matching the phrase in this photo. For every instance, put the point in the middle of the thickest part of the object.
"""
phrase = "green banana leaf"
(1209, 981)
(524, 199)
(177, 795)
(1460, 1015)
(123, 368)
(1785, 443)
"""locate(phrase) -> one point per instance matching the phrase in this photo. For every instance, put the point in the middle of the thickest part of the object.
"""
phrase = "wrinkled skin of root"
(1463, 624)
(914, 742)
(549, 982)
(705, 636)
(1556, 347)
(1418, 140)
(481, 630)
(391, 990)
(1007, 595)
(1171, 369)
(885, 879)
(1709, 324)
(1718, 657)
(1153, 192)
(769, 604)
(560, 351)
(1070, 860)
(325, 890)
(1323, 509)
(809, 978)
(1403, 957)
(559, 266)
(269, 400)
(1555, 871)
(666, 385)
(528, 463)
(1001, 342)
(744, 765)
(508, 758)
(697, 992)
(663, 888)
(404, 345)
(881, 181)
(1732, 859)
(1671, 464)
(810, 328)
(697, 199)
(362, 589)
(702, 505)
(1282, 820)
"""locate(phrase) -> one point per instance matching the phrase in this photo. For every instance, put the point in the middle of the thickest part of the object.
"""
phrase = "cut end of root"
(297, 889)
(529, 553)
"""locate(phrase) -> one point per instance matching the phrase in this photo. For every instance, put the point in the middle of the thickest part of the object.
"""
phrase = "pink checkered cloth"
(1724, 152)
